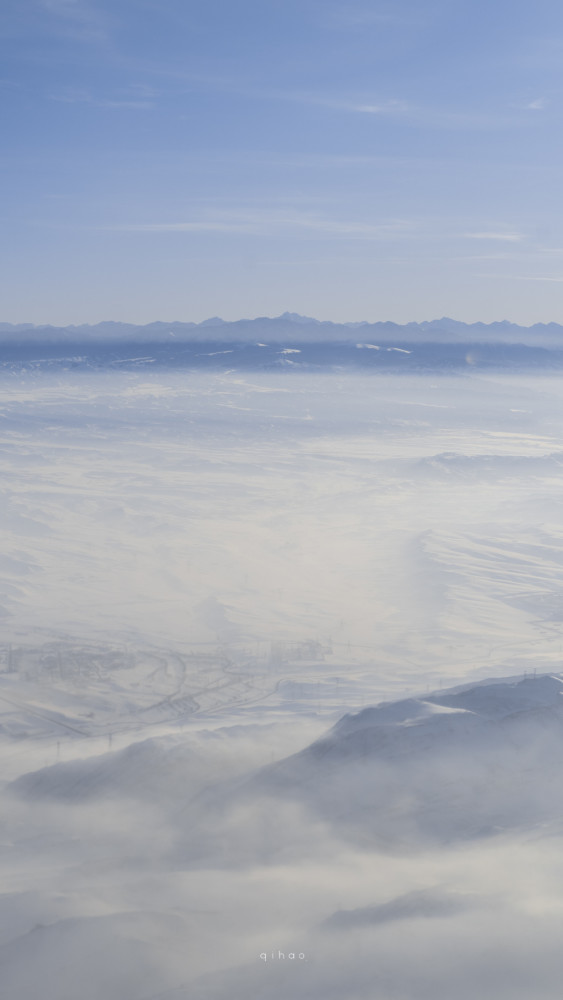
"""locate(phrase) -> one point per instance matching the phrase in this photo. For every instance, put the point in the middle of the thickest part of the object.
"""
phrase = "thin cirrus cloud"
(260, 224)
(538, 277)
(398, 108)
(392, 106)
(406, 112)
(506, 237)
(537, 105)
(346, 103)
(558, 279)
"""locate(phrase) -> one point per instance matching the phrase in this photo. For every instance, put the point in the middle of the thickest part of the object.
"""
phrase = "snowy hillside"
(466, 762)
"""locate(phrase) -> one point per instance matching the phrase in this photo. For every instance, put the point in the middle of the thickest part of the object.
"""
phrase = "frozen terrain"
(250, 618)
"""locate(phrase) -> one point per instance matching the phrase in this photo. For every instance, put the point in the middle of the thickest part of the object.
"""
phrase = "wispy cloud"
(277, 223)
(390, 106)
(508, 237)
(537, 105)
(538, 277)
(355, 104)
(558, 279)
(397, 107)
(409, 113)
(383, 106)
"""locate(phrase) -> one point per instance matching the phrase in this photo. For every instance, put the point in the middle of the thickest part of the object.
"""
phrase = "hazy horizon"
(286, 314)
(298, 321)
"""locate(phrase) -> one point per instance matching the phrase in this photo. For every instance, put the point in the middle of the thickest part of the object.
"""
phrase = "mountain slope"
(453, 765)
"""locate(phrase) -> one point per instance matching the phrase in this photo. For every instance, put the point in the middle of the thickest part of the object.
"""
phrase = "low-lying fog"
(201, 574)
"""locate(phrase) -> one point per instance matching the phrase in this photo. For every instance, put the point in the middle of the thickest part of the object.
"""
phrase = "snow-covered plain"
(201, 573)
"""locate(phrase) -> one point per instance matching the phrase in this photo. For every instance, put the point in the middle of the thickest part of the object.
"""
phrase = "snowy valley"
(280, 675)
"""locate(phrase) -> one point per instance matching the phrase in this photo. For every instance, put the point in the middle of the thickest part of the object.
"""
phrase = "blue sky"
(372, 160)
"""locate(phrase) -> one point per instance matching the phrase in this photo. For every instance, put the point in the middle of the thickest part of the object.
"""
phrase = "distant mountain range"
(289, 328)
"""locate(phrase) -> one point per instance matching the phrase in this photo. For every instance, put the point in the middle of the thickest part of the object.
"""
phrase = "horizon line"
(295, 318)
